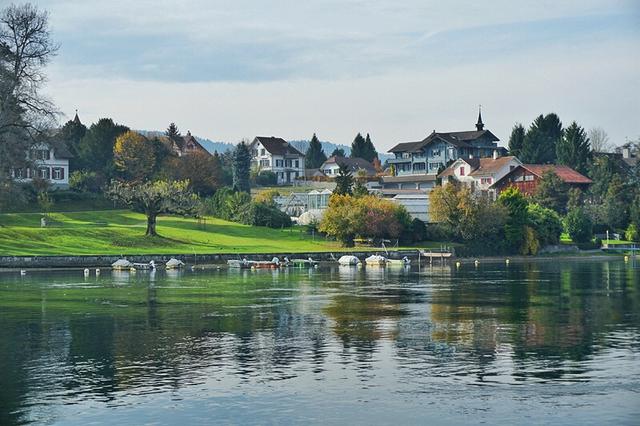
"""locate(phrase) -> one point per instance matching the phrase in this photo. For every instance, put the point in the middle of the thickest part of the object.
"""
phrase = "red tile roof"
(565, 173)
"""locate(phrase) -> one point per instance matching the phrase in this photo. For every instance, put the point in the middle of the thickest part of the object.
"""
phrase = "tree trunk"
(151, 226)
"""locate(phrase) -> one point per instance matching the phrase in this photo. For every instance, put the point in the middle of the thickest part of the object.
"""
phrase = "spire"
(480, 124)
(76, 119)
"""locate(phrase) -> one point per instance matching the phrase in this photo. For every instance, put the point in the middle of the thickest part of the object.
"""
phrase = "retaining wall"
(106, 261)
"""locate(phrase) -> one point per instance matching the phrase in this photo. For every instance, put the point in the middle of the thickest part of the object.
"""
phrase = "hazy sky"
(228, 70)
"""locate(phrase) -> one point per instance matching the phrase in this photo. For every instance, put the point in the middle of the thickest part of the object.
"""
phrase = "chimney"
(626, 152)
(496, 155)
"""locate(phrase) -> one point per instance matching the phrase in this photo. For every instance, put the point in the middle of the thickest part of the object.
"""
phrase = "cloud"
(199, 40)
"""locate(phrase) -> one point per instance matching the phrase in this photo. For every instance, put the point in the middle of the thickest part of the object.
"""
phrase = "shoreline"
(217, 259)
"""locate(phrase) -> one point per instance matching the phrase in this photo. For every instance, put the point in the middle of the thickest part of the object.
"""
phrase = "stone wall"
(190, 259)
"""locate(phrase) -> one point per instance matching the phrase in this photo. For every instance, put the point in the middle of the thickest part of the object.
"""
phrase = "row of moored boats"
(125, 265)
(349, 260)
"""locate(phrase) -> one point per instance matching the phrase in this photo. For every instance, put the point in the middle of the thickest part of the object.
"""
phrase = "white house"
(332, 165)
(51, 164)
(480, 173)
(278, 156)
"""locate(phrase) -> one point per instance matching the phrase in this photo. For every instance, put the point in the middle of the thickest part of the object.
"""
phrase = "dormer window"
(462, 171)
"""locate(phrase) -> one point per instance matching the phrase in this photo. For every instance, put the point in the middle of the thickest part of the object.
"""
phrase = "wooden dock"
(442, 255)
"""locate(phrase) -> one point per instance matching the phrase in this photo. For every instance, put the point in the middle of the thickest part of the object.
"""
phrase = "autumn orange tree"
(367, 216)
(202, 170)
(134, 156)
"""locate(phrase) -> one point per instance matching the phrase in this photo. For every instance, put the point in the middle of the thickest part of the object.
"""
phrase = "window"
(44, 173)
(262, 152)
(278, 163)
(528, 178)
(264, 163)
(40, 154)
(297, 164)
(462, 171)
(287, 163)
(435, 152)
(58, 173)
(485, 181)
(18, 173)
(434, 166)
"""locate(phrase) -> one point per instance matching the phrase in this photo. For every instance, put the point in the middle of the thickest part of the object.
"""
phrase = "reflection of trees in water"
(552, 314)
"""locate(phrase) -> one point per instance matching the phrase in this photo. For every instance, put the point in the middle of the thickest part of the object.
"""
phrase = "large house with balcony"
(278, 156)
(49, 163)
(417, 164)
(355, 165)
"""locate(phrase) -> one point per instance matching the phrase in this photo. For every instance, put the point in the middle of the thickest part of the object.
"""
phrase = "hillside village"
(300, 184)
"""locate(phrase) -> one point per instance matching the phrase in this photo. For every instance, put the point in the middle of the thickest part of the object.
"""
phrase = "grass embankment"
(119, 232)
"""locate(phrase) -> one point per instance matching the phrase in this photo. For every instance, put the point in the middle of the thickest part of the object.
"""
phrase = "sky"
(231, 70)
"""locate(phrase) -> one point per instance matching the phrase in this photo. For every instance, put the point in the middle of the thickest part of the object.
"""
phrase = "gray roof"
(457, 139)
(354, 164)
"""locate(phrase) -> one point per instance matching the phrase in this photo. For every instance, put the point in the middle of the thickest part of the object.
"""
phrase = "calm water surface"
(542, 342)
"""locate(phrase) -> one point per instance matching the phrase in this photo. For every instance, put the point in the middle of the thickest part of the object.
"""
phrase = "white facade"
(417, 205)
(483, 176)
(47, 166)
(287, 165)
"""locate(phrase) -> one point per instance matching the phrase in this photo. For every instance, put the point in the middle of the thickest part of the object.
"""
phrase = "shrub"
(367, 216)
(419, 230)
(265, 178)
(265, 214)
(530, 243)
(579, 226)
(546, 223)
(266, 196)
(632, 234)
(84, 181)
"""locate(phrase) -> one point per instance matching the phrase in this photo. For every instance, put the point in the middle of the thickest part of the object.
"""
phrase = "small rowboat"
(348, 260)
(302, 262)
(376, 260)
(405, 261)
(174, 263)
(235, 263)
(121, 265)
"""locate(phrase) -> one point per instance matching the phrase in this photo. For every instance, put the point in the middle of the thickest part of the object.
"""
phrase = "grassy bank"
(118, 232)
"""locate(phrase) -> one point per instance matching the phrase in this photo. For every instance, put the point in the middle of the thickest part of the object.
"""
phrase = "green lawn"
(118, 232)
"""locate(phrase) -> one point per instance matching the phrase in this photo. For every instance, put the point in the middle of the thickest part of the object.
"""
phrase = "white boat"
(399, 262)
(144, 266)
(348, 260)
(302, 262)
(121, 265)
(174, 263)
(376, 260)
(236, 263)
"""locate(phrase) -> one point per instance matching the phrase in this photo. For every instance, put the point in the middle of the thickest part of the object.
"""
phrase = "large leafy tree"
(25, 114)
(516, 205)
(155, 198)
(539, 146)
(552, 192)
(134, 157)
(241, 168)
(315, 155)
(516, 139)
(573, 148)
(344, 181)
(203, 171)
(95, 152)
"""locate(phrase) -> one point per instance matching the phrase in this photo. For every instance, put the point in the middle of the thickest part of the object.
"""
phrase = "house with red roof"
(480, 173)
(526, 177)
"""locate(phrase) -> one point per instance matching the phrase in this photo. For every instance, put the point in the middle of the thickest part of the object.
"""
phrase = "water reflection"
(389, 334)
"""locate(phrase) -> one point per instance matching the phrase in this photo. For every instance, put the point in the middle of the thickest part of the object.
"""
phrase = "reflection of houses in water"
(297, 203)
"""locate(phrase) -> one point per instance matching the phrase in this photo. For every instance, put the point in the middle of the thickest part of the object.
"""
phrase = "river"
(534, 342)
